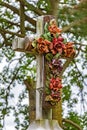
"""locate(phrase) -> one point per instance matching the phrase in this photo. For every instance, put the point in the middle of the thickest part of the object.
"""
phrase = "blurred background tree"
(18, 18)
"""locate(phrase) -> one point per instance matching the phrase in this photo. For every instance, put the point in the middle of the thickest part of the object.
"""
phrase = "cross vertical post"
(40, 73)
(40, 82)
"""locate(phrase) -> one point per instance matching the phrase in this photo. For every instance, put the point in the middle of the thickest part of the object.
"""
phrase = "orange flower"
(43, 45)
(53, 28)
(69, 50)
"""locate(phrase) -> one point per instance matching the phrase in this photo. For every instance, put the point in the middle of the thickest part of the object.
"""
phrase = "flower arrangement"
(53, 42)
(54, 47)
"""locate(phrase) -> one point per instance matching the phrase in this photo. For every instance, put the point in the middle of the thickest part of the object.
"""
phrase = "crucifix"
(43, 121)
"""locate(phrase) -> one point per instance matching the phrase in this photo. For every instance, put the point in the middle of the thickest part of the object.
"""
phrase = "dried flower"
(55, 84)
(53, 28)
(56, 95)
(58, 46)
(56, 66)
(69, 50)
(43, 45)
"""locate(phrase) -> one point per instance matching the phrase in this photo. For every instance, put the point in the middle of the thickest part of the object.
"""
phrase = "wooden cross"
(24, 45)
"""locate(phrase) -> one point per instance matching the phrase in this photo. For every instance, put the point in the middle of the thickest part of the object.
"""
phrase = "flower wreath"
(53, 46)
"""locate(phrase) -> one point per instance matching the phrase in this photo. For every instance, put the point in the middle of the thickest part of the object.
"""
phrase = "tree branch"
(54, 8)
(8, 21)
(81, 44)
(66, 64)
(75, 23)
(30, 29)
(5, 39)
(80, 73)
(4, 31)
(27, 28)
(12, 33)
(30, 84)
(15, 10)
(22, 19)
(72, 123)
(31, 7)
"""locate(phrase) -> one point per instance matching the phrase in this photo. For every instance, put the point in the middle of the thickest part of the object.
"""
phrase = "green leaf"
(65, 41)
(4, 111)
(1, 103)
(34, 44)
(49, 34)
(49, 56)
(57, 35)
(65, 1)
(57, 56)
(45, 36)
(46, 27)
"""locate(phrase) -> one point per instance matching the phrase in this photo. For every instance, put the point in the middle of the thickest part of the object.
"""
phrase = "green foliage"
(77, 119)
(21, 111)
(66, 93)
(44, 5)
(74, 13)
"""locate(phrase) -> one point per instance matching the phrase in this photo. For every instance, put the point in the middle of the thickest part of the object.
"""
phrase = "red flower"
(60, 38)
(58, 46)
(55, 84)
